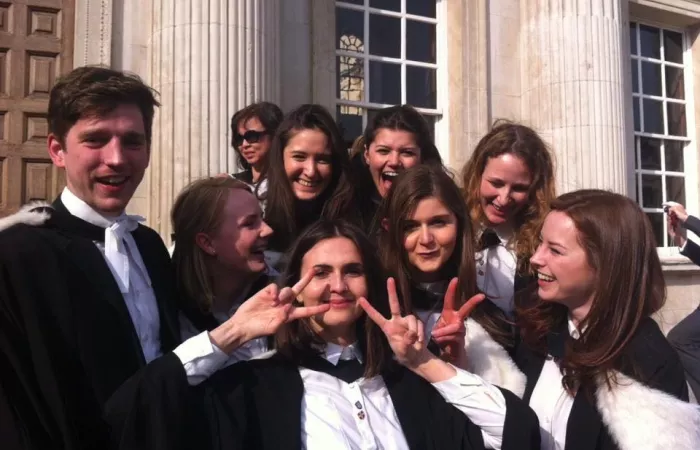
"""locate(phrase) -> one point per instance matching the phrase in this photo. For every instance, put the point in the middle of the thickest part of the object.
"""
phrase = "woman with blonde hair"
(219, 257)
(508, 183)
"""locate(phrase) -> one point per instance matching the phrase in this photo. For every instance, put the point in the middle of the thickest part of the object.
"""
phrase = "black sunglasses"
(250, 136)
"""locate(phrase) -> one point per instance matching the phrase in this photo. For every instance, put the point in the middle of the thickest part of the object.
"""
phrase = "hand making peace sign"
(266, 311)
(449, 331)
(404, 333)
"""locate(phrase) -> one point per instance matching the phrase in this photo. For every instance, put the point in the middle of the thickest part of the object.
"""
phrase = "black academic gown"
(692, 250)
(66, 338)
(257, 405)
(654, 364)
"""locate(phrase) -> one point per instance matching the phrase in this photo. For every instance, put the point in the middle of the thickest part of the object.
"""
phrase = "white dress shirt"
(361, 415)
(552, 403)
(199, 356)
(495, 271)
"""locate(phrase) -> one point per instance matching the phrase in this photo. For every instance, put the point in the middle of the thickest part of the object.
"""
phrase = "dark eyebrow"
(322, 267)
(248, 217)
(354, 266)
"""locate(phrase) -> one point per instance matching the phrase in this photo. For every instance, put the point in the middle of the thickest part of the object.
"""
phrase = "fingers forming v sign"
(405, 334)
(450, 330)
(288, 294)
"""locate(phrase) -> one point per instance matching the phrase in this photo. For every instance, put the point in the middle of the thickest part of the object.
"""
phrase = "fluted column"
(574, 88)
(208, 59)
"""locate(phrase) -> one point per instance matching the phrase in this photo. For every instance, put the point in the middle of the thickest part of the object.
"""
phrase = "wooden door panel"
(36, 47)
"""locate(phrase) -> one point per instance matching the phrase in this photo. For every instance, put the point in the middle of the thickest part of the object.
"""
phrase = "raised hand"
(676, 216)
(264, 313)
(405, 334)
(449, 331)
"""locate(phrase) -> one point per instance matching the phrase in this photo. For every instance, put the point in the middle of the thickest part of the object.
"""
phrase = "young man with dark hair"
(88, 316)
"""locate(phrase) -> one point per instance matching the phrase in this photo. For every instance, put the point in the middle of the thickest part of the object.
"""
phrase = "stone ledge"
(678, 264)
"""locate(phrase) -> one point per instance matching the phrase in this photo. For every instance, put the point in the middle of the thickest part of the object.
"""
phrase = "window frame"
(690, 156)
(439, 113)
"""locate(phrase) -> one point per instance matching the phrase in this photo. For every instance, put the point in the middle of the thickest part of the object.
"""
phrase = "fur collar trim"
(490, 361)
(638, 416)
(28, 214)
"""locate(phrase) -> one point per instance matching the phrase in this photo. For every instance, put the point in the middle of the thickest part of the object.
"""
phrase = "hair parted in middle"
(523, 142)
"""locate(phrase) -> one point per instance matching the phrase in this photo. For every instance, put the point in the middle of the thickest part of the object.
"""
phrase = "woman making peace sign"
(333, 381)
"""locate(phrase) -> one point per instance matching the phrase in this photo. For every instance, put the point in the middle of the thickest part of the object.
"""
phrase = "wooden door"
(36, 47)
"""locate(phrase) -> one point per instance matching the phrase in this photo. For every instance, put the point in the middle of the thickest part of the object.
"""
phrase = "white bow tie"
(118, 245)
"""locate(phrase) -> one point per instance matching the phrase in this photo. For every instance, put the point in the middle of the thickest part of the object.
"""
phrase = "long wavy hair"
(297, 340)
(512, 138)
(280, 209)
(628, 287)
(408, 190)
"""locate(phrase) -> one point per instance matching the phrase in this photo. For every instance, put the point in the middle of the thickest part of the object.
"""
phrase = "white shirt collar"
(82, 210)
(573, 330)
(335, 353)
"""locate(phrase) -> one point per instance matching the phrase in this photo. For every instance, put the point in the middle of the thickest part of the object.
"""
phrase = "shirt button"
(361, 415)
(358, 405)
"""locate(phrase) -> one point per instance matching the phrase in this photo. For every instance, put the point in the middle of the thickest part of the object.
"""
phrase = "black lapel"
(531, 365)
(159, 266)
(278, 395)
(81, 250)
(584, 424)
(410, 408)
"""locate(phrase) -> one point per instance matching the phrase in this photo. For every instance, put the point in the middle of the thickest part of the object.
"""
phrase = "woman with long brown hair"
(508, 183)
(426, 243)
(308, 177)
(600, 374)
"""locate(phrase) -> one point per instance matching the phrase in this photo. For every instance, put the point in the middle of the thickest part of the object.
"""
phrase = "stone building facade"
(612, 85)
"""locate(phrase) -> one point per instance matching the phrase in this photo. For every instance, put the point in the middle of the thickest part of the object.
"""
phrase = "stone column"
(208, 58)
(575, 67)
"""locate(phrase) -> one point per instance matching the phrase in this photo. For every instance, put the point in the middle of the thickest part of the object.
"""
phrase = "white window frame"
(690, 157)
(440, 113)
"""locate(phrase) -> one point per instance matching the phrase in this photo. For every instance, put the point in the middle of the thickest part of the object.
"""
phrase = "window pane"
(651, 191)
(420, 87)
(635, 110)
(420, 41)
(384, 83)
(649, 40)
(653, 116)
(657, 225)
(650, 152)
(633, 38)
(635, 75)
(651, 78)
(673, 156)
(676, 119)
(349, 29)
(351, 78)
(394, 5)
(370, 115)
(354, 2)
(424, 8)
(675, 189)
(350, 122)
(675, 82)
(384, 36)
(673, 46)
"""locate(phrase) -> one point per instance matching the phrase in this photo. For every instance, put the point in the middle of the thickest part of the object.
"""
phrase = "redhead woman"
(508, 183)
(600, 374)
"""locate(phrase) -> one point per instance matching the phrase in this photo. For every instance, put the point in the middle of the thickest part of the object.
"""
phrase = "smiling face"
(430, 237)
(241, 239)
(563, 272)
(104, 158)
(504, 188)
(307, 163)
(254, 153)
(390, 152)
(339, 280)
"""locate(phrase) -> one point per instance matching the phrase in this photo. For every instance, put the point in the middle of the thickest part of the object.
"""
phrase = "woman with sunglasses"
(396, 138)
(355, 376)
(308, 177)
(252, 129)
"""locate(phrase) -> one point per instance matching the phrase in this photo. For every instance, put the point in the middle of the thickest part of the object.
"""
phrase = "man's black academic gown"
(67, 341)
